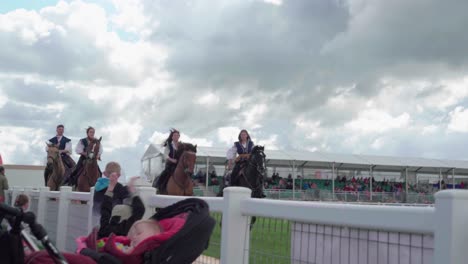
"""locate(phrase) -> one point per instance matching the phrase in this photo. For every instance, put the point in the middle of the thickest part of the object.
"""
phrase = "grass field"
(270, 241)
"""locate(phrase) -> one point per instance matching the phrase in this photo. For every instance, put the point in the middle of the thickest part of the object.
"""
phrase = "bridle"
(90, 155)
(186, 168)
(185, 165)
(54, 159)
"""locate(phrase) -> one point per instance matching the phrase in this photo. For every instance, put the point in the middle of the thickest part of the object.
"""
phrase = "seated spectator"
(120, 192)
(22, 201)
(121, 217)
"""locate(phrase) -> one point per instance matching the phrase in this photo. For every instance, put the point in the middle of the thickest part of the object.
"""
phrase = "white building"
(24, 175)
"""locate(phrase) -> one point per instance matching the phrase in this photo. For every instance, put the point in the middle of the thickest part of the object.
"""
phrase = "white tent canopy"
(323, 160)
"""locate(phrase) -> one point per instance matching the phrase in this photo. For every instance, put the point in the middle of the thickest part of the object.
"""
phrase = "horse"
(55, 170)
(252, 175)
(180, 182)
(90, 172)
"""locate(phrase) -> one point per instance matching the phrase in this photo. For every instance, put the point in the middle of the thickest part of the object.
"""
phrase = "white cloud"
(28, 25)
(228, 135)
(203, 142)
(208, 99)
(121, 134)
(3, 98)
(429, 129)
(158, 138)
(274, 2)
(87, 18)
(377, 121)
(458, 120)
(131, 17)
(23, 144)
(253, 116)
(378, 143)
(310, 128)
(270, 143)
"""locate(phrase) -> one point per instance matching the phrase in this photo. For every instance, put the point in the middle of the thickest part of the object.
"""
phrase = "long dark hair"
(248, 136)
(169, 139)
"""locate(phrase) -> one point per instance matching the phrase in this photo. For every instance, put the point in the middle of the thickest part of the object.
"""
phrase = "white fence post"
(41, 205)
(62, 217)
(90, 210)
(145, 193)
(450, 232)
(235, 226)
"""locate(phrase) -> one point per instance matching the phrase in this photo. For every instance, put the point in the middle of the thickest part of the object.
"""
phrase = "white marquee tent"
(321, 160)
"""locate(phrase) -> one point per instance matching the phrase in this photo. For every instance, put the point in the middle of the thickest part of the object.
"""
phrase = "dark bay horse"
(55, 175)
(90, 172)
(180, 182)
(252, 174)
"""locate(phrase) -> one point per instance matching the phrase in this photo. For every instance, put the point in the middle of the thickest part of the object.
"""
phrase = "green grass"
(270, 241)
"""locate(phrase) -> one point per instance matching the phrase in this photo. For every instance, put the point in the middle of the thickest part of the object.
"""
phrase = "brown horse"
(54, 160)
(180, 182)
(90, 172)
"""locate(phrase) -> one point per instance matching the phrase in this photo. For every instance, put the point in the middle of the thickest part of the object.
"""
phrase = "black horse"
(253, 172)
(251, 175)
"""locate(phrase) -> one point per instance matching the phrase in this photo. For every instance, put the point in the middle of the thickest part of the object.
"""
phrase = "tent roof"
(323, 160)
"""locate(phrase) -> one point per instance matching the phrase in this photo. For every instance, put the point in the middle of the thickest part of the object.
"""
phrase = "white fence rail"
(438, 234)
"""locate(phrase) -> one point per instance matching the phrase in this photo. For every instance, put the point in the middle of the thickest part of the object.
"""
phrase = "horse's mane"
(258, 148)
(185, 147)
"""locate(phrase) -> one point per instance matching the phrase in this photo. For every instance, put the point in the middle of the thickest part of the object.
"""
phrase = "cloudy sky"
(346, 76)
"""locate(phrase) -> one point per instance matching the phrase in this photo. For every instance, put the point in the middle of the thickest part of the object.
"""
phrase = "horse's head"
(181, 147)
(93, 148)
(257, 157)
(188, 157)
(53, 153)
(255, 171)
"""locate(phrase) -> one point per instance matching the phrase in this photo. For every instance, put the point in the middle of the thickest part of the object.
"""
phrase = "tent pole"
(370, 181)
(406, 180)
(294, 180)
(333, 181)
(453, 178)
(207, 168)
(440, 179)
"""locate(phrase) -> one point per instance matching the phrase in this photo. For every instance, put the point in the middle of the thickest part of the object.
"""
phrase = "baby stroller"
(184, 246)
(13, 241)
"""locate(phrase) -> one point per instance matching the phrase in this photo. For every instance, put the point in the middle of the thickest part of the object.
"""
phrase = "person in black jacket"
(121, 217)
(120, 192)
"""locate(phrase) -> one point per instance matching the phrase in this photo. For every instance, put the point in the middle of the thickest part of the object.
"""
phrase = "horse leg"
(190, 188)
(50, 183)
(252, 222)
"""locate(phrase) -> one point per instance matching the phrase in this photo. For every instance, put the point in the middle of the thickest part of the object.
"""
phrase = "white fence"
(320, 232)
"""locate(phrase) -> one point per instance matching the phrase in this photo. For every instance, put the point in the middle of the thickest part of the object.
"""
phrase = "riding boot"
(162, 181)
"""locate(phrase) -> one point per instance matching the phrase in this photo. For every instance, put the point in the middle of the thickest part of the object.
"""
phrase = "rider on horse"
(65, 148)
(171, 155)
(81, 150)
(242, 148)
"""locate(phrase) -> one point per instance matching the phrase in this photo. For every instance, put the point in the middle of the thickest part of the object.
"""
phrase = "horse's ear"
(195, 146)
(100, 139)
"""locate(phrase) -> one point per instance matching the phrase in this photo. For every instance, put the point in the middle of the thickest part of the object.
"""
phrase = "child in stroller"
(184, 225)
(185, 229)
